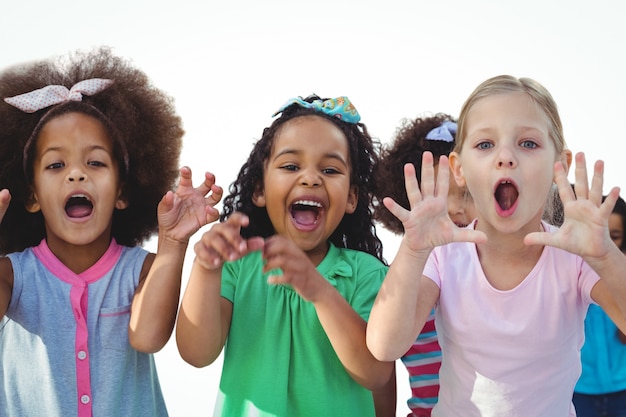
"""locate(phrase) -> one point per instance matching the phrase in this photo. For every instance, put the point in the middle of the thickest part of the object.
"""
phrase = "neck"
(509, 244)
(78, 258)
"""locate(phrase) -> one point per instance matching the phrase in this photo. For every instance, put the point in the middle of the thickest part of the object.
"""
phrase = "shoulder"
(456, 254)
(135, 254)
(357, 258)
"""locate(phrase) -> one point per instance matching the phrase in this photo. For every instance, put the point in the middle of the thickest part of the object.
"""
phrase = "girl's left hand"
(184, 212)
(297, 269)
(585, 230)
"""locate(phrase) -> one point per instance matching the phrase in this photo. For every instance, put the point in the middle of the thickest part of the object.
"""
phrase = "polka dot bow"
(55, 94)
(339, 107)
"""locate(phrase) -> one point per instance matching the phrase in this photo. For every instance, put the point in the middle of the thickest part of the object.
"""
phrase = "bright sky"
(230, 65)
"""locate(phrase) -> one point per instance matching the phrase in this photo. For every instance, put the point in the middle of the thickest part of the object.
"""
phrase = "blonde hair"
(502, 84)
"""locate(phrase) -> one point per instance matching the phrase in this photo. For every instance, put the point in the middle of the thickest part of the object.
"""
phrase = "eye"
(289, 167)
(484, 145)
(55, 165)
(529, 144)
(330, 171)
(96, 163)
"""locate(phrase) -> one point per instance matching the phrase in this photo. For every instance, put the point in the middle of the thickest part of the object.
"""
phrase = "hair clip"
(339, 107)
(445, 132)
(55, 94)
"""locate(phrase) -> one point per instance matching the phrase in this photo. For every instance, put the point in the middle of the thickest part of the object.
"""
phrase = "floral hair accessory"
(445, 132)
(339, 107)
(55, 94)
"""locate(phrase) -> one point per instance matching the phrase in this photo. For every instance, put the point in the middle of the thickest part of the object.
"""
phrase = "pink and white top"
(64, 348)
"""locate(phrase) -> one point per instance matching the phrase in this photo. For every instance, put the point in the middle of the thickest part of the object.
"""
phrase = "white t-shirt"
(509, 353)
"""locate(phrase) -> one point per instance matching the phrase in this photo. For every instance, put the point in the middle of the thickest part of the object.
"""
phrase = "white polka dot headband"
(55, 94)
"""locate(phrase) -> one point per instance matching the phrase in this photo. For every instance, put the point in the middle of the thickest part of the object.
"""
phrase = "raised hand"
(297, 269)
(223, 242)
(5, 200)
(183, 212)
(427, 224)
(585, 230)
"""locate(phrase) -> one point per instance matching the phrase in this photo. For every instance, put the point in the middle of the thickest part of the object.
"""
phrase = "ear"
(32, 205)
(258, 197)
(122, 202)
(353, 199)
(566, 159)
(456, 170)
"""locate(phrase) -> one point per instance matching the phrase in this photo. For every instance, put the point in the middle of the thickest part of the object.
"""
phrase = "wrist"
(172, 243)
(417, 255)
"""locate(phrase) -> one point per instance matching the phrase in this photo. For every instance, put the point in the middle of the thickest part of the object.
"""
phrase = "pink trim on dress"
(79, 299)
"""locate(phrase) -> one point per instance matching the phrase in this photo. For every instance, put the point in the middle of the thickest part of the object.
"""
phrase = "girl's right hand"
(223, 242)
(5, 200)
(427, 224)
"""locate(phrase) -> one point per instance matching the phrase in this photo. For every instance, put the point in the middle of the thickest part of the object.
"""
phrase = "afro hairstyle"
(141, 119)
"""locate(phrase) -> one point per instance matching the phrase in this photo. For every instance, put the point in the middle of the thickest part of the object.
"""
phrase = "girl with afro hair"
(290, 274)
(89, 151)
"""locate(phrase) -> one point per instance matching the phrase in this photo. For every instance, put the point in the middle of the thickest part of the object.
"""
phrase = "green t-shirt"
(278, 360)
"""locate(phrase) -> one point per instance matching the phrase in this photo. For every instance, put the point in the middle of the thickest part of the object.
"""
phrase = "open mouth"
(305, 212)
(506, 195)
(78, 206)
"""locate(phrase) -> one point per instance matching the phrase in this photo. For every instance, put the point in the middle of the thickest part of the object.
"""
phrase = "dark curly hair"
(408, 145)
(356, 230)
(140, 119)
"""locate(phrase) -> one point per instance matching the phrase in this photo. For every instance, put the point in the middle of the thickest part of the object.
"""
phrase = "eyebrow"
(332, 155)
(522, 129)
(89, 149)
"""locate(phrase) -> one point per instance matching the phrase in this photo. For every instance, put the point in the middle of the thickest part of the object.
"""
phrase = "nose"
(310, 178)
(76, 175)
(506, 158)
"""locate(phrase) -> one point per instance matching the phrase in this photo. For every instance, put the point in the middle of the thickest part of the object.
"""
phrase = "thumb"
(5, 199)
(539, 238)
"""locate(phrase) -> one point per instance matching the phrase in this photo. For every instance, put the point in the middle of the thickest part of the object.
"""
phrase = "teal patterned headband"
(339, 107)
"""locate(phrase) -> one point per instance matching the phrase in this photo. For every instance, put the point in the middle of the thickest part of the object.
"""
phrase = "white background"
(230, 64)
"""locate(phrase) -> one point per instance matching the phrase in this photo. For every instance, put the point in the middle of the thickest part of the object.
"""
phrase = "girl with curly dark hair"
(298, 218)
(435, 134)
(89, 152)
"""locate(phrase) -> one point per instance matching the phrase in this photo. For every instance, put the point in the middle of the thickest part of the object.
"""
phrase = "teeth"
(308, 203)
(79, 196)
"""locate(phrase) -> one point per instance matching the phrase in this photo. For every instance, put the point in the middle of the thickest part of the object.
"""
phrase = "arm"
(386, 398)
(585, 232)
(602, 295)
(155, 303)
(406, 297)
(6, 269)
(204, 319)
(6, 285)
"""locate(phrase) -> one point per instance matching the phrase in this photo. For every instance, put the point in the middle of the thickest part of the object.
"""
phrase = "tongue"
(506, 194)
(305, 217)
(78, 210)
